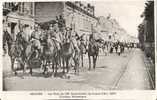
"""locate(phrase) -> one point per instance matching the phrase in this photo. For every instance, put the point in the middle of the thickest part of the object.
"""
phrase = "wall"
(81, 22)
(46, 11)
(25, 17)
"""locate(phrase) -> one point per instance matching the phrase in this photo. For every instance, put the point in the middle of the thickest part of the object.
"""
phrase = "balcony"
(81, 9)
(9, 7)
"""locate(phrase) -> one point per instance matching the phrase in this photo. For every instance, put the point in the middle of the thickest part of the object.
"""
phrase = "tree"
(149, 18)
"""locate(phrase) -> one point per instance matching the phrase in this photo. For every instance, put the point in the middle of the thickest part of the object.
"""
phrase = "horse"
(93, 50)
(50, 54)
(15, 53)
(30, 54)
(15, 50)
(69, 52)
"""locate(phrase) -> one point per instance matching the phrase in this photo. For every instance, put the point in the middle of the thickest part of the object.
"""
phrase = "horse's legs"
(45, 66)
(12, 65)
(89, 62)
(55, 73)
(67, 64)
(55, 66)
(30, 69)
(4, 49)
(94, 61)
(24, 67)
(59, 60)
(63, 61)
(77, 66)
(82, 59)
(23, 63)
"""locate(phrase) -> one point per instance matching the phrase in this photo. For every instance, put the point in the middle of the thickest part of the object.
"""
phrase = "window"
(23, 7)
(19, 8)
(31, 8)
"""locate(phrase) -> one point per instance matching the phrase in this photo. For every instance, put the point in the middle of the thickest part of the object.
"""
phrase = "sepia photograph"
(78, 45)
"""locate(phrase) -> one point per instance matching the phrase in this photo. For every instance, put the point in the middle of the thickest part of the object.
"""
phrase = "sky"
(126, 12)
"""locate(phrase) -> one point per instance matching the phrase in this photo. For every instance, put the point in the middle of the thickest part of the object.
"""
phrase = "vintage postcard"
(78, 45)
(97, 48)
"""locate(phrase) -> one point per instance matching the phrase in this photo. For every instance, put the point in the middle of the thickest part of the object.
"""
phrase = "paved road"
(113, 72)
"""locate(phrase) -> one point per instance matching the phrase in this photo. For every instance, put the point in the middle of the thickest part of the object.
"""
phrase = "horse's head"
(48, 42)
(8, 37)
(93, 47)
(16, 49)
(83, 47)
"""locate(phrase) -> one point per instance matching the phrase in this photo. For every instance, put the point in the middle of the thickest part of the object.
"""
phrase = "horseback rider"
(22, 36)
(93, 39)
(22, 43)
(75, 40)
(61, 22)
(73, 37)
(55, 35)
(35, 40)
(67, 35)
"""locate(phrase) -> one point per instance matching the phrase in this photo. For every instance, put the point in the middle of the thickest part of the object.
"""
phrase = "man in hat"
(35, 39)
(61, 22)
(51, 31)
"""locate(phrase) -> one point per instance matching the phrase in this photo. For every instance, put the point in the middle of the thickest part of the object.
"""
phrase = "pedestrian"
(119, 50)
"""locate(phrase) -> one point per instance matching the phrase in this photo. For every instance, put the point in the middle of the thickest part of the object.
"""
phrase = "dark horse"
(67, 52)
(16, 54)
(47, 55)
(50, 54)
(15, 51)
(93, 50)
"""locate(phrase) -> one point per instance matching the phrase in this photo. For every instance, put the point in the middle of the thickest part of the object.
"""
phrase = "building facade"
(15, 13)
(77, 15)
